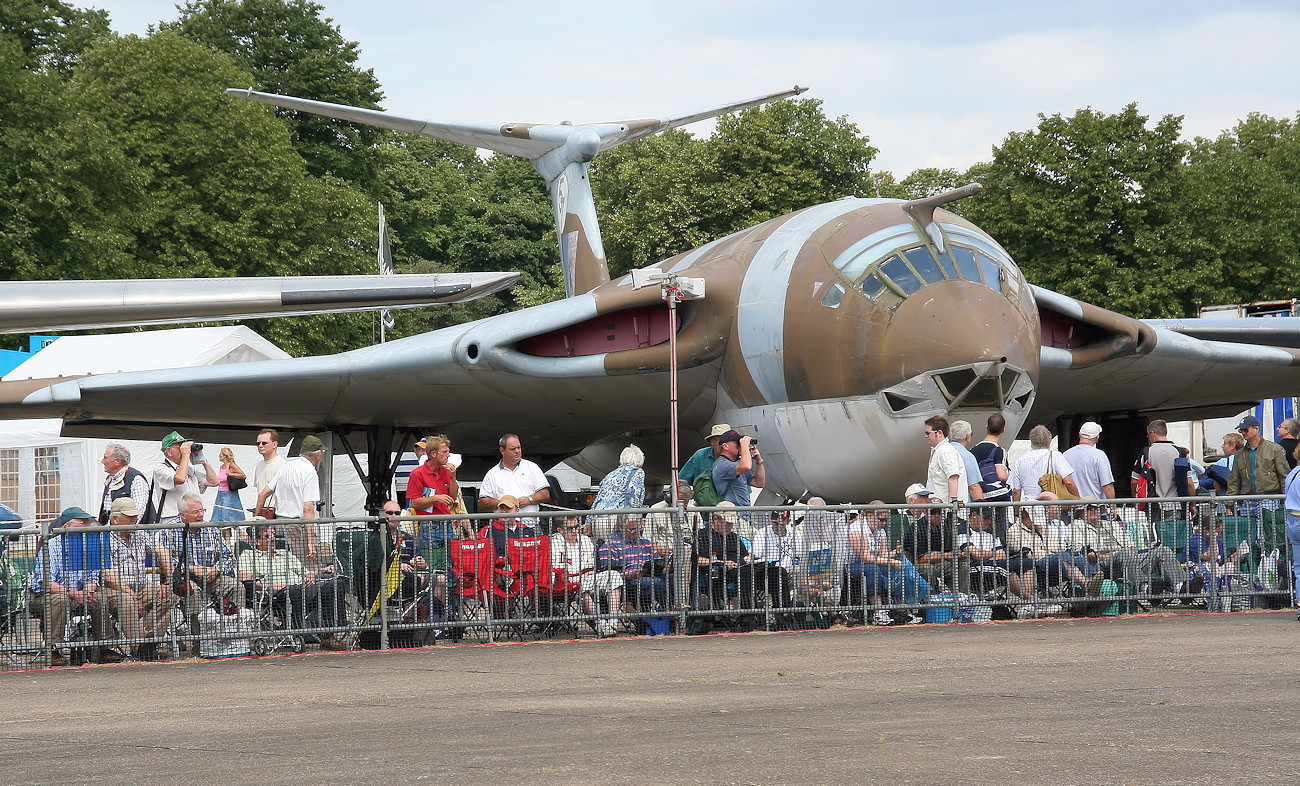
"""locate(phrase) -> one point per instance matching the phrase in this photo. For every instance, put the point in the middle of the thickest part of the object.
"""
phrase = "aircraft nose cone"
(958, 323)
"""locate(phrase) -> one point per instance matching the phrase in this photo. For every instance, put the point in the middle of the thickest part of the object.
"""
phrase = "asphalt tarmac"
(1173, 699)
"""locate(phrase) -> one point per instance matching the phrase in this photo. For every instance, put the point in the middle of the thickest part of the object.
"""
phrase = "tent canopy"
(176, 348)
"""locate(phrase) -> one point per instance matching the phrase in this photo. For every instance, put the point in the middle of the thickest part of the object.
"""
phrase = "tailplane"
(561, 154)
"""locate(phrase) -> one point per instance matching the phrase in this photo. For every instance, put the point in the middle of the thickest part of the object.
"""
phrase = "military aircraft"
(831, 333)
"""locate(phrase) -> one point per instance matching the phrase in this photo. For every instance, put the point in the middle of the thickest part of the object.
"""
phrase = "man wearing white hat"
(1092, 473)
(702, 459)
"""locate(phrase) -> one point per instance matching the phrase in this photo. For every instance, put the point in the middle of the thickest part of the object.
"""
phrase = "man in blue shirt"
(738, 469)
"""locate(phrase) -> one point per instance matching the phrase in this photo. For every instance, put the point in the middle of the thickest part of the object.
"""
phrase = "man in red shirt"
(432, 489)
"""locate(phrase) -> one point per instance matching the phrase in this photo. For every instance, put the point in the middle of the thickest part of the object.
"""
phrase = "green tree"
(153, 172)
(425, 187)
(511, 228)
(669, 194)
(291, 50)
(53, 34)
(655, 198)
(921, 183)
(786, 156)
(1088, 206)
(1241, 196)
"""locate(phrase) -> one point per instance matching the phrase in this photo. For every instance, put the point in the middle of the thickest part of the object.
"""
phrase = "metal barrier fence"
(82, 594)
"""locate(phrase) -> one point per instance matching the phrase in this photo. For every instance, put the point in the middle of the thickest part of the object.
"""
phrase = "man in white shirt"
(1092, 473)
(297, 488)
(268, 445)
(516, 476)
(946, 476)
(776, 549)
(183, 470)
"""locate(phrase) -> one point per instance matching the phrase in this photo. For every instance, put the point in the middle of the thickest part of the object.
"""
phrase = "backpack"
(1144, 475)
(1144, 482)
(994, 487)
(705, 493)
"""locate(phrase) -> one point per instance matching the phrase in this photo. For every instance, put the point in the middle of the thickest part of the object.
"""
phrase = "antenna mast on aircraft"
(561, 153)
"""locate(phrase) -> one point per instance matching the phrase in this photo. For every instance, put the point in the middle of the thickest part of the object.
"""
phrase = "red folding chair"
(471, 573)
(559, 595)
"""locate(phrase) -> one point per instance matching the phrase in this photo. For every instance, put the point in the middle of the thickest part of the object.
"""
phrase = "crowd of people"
(882, 565)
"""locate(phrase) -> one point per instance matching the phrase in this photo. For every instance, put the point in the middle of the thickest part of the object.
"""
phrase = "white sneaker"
(1050, 609)
(881, 617)
(606, 628)
(914, 619)
(1027, 611)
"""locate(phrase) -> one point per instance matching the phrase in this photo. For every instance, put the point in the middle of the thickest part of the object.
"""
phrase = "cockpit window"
(992, 271)
(890, 264)
(968, 268)
(922, 262)
(902, 275)
(834, 296)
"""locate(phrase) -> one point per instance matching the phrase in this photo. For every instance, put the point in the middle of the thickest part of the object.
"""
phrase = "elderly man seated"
(776, 549)
(134, 581)
(881, 570)
(1107, 544)
(723, 567)
(931, 542)
(281, 575)
(637, 563)
(203, 568)
(67, 579)
(574, 554)
(1044, 559)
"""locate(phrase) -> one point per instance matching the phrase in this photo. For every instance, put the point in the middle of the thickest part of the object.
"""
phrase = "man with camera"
(182, 471)
(738, 470)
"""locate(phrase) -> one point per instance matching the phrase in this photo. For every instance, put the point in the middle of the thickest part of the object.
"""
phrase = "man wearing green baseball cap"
(183, 470)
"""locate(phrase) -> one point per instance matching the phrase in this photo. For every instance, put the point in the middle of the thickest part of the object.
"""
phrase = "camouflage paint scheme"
(831, 333)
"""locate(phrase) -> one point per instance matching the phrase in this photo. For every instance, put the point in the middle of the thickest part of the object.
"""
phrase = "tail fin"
(561, 154)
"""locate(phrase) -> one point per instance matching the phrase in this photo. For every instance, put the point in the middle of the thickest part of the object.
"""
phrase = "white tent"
(42, 472)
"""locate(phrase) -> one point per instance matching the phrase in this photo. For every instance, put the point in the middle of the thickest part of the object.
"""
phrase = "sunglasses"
(392, 513)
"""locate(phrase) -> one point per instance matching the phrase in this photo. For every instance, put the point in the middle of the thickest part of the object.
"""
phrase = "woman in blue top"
(1292, 487)
(624, 487)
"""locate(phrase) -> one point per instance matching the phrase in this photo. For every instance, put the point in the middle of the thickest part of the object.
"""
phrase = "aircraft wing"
(83, 305)
(472, 379)
(1095, 361)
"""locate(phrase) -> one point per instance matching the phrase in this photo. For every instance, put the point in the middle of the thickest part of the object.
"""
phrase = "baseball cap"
(173, 438)
(1247, 422)
(71, 514)
(423, 443)
(508, 501)
(730, 435)
(311, 443)
(918, 490)
(1090, 430)
(719, 430)
(126, 506)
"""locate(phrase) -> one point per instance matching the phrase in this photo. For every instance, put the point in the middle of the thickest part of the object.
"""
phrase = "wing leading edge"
(1097, 361)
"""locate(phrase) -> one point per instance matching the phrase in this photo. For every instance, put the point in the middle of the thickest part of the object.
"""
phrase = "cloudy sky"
(932, 84)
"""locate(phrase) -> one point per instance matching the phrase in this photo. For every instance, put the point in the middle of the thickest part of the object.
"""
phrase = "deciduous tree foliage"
(151, 171)
(1241, 201)
(668, 194)
(292, 50)
(52, 33)
(1088, 205)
